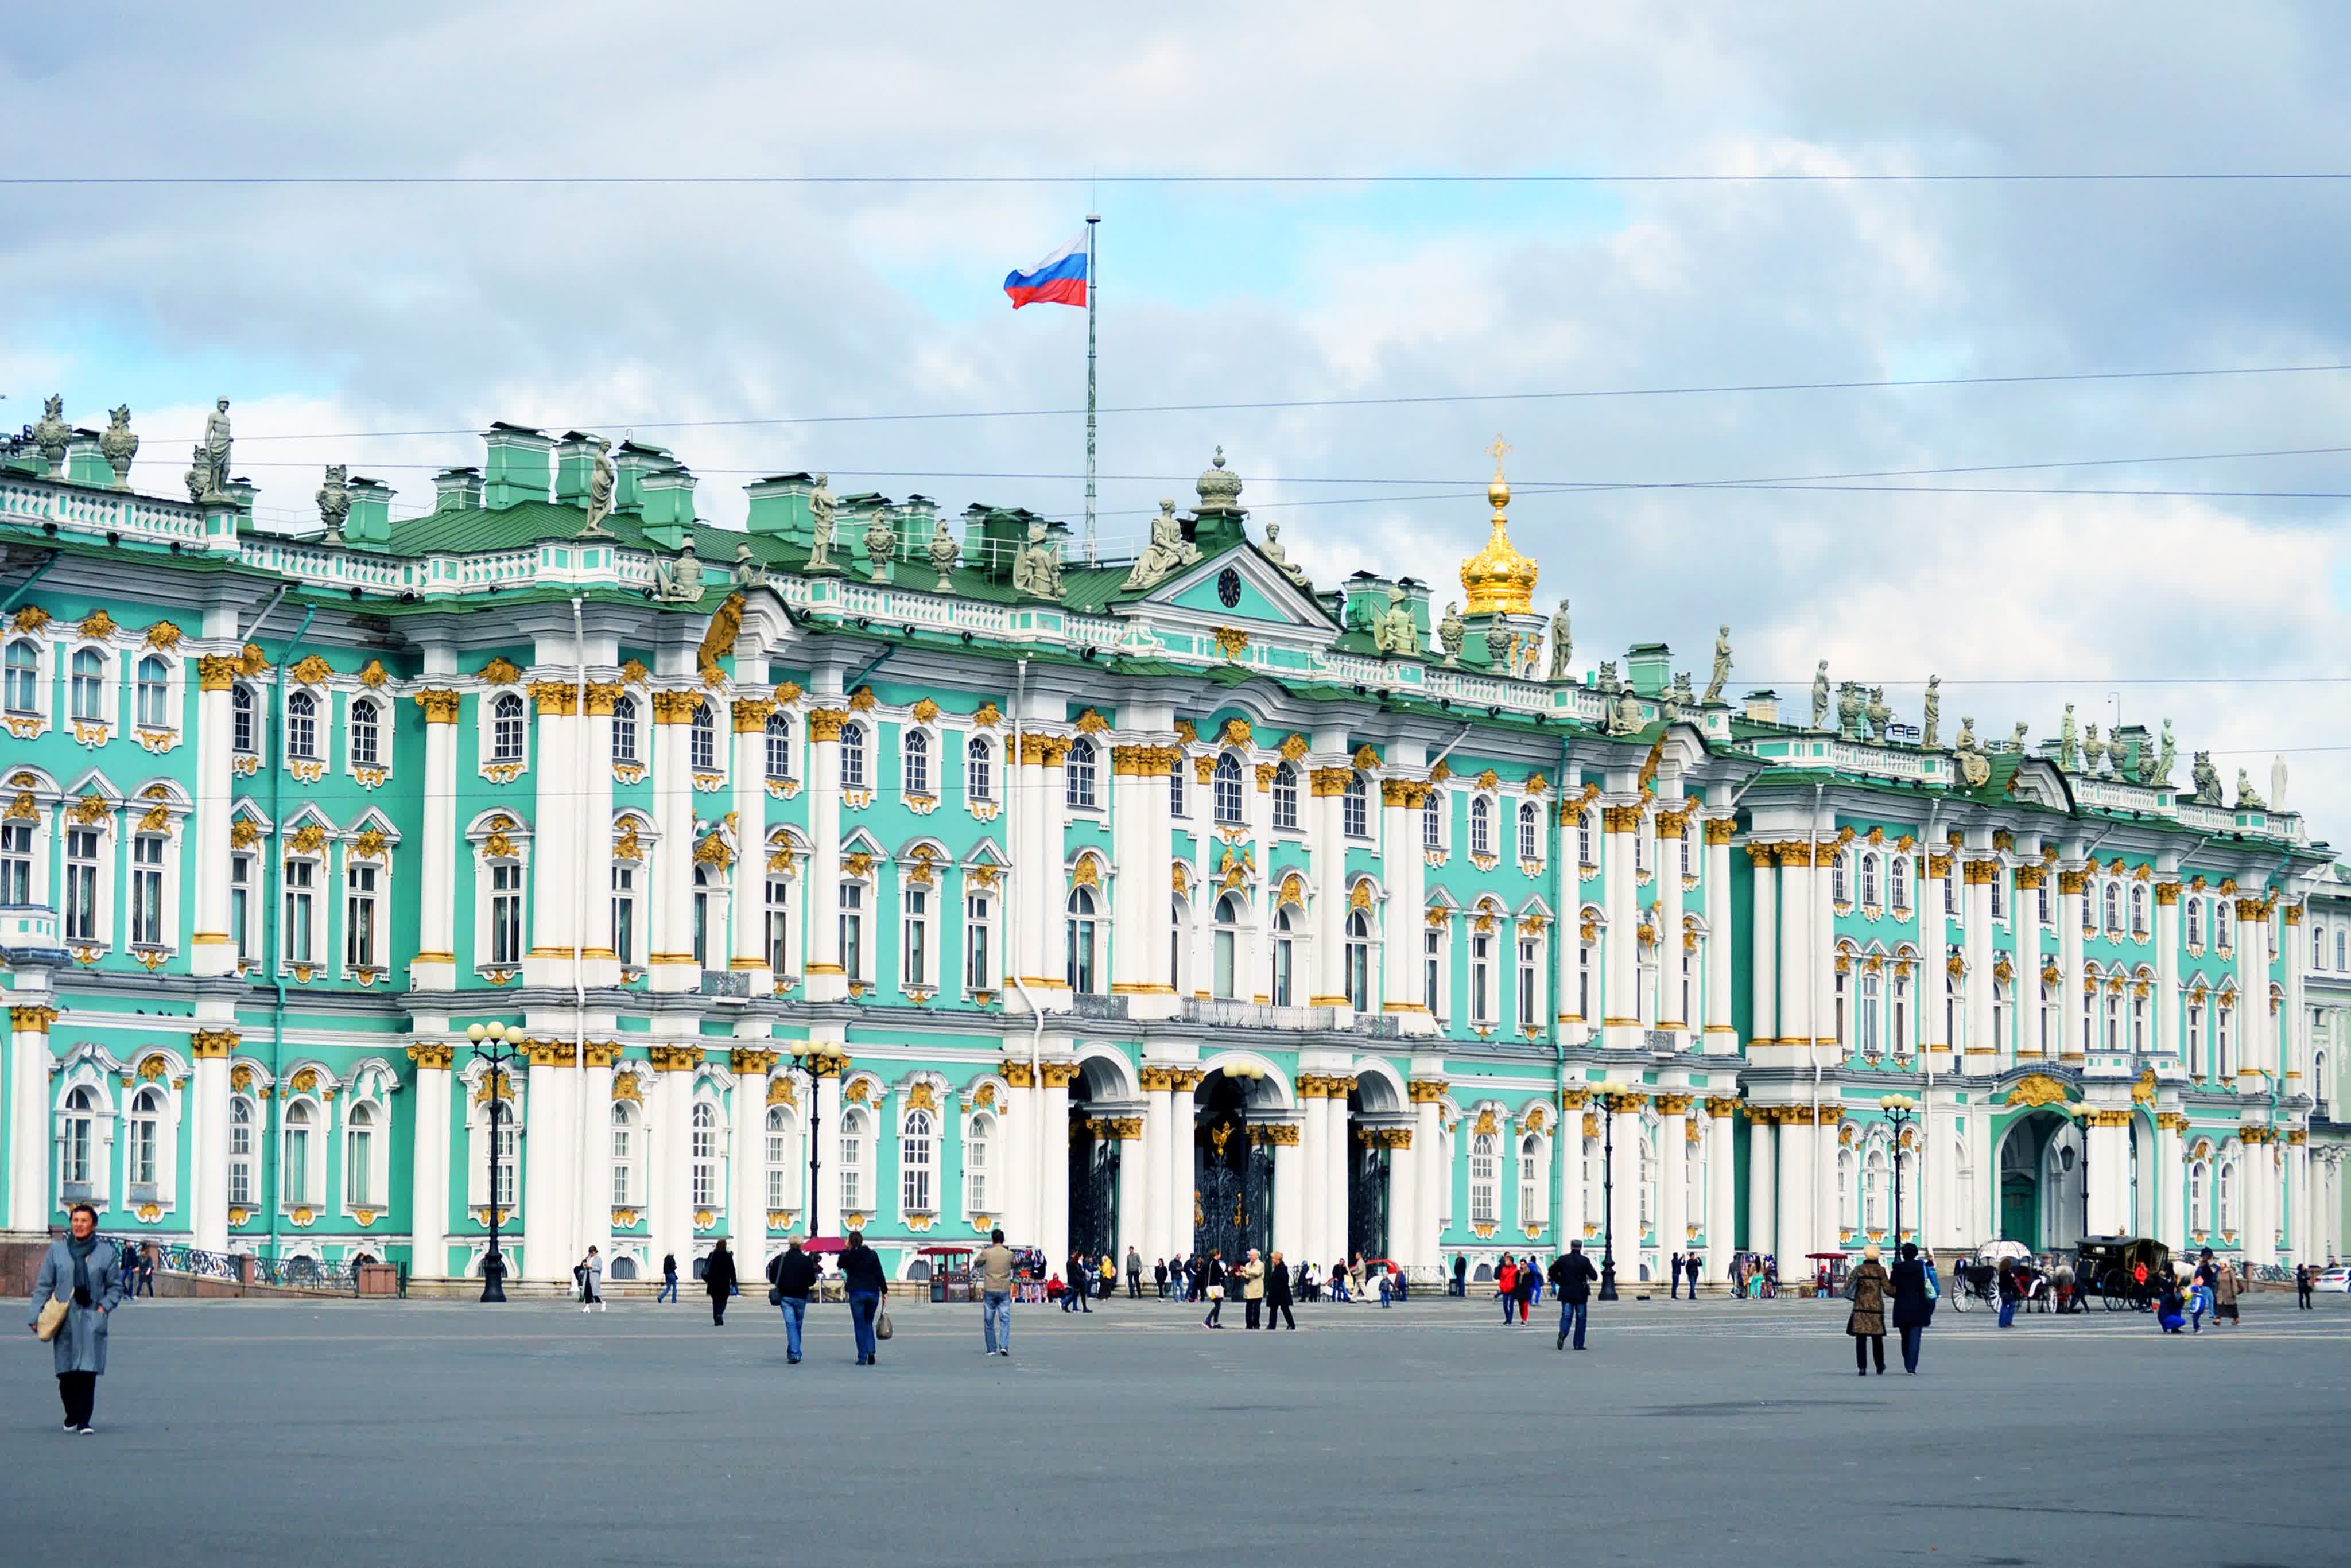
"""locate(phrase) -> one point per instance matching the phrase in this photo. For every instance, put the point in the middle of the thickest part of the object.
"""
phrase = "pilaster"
(434, 967)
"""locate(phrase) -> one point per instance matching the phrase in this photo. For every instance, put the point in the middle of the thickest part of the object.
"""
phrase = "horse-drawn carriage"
(2126, 1272)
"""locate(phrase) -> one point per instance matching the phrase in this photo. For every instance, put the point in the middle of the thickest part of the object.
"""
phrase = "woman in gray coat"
(87, 1271)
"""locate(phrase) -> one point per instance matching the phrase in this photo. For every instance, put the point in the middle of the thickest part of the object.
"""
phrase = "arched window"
(2224, 1018)
(1355, 807)
(78, 1149)
(302, 724)
(1529, 832)
(294, 1170)
(1534, 1185)
(367, 734)
(916, 1168)
(1840, 878)
(1872, 1191)
(1077, 775)
(1231, 912)
(24, 678)
(1285, 797)
(2229, 1195)
(702, 743)
(1284, 957)
(852, 757)
(1898, 886)
(1481, 976)
(1484, 1155)
(703, 1152)
(2138, 909)
(778, 739)
(978, 768)
(2137, 1021)
(979, 1147)
(917, 762)
(143, 1160)
(2200, 1194)
(1848, 1200)
(1359, 960)
(1529, 990)
(780, 1151)
(359, 1158)
(626, 1190)
(1869, 880)
(1482, 825)
(1584, 849)
(2111, 896)
(1432, 820)
(88, 685)
(852, 1160)
(624, 731)
(506, 729)
(241, 738)
(1226, 784)
(154, 693)
(240, 1153)
(2195, 1035)
(1083, 938)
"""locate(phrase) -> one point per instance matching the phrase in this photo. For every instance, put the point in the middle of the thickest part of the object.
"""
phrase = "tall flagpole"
(1093, 221)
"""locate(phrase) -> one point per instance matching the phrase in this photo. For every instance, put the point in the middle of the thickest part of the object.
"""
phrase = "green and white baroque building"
(1174, 902)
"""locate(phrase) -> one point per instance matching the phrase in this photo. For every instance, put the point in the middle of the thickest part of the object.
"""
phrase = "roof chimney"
(517, 469)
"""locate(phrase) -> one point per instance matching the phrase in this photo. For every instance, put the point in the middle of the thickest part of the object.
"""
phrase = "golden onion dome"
(1498, 578)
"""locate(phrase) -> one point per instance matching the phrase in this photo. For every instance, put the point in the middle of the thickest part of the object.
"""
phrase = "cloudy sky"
(331, 314)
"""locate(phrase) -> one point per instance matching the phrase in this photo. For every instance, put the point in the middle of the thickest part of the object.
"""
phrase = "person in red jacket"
(1506, 1280)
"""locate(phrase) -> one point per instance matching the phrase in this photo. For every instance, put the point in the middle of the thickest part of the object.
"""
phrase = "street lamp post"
(1610, 1096)
(498, 1053)
(1899, 1109)
(820, 1062)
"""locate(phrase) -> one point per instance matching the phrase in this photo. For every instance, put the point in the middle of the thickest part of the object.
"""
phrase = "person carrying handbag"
(866, 1285)
(82, 1274)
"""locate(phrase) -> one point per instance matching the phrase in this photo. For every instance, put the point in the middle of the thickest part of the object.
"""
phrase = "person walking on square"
(669, 1280)
(1674, 1268)
(1073, 1300)
(1523, 1289)
(150, 1261)
(1212, 1284)
(1506, 1283)
(1108, 1277)
(1691, 1263)
(993, 1269)
(1571, 1275)
(1278, 1294)
(2301, 1273)
(1252, 1278)
(1133, 1273)
(793, 1276)
(862, 1278)
(590, 1274)
(84, 1270)
(1159, 1276)
(718, 1279)
(2224, 1293)
(1914, 1309)
(2008, 1290)
(1868, 1322)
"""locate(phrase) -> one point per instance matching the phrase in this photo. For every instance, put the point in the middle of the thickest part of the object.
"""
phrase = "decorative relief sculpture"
(1498, 648)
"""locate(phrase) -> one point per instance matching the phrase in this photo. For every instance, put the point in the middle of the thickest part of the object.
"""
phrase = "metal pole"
(1608, 1205)
(1093, 222)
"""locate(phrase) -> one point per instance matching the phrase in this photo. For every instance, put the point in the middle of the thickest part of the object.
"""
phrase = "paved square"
(452, 1433)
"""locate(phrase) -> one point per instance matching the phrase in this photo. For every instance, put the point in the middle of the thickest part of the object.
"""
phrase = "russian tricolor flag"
(1058, 280)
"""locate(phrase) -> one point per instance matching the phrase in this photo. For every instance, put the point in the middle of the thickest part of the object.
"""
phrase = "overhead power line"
(1763, 177)
(1700, 389)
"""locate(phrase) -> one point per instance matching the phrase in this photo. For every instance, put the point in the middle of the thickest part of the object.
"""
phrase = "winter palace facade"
(868, 867)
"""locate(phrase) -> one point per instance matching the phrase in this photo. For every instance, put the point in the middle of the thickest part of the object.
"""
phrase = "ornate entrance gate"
(1094, 1192)
(1232, 1189)
(1367, 1203)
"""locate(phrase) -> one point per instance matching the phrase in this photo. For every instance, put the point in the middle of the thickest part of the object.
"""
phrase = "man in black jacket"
(791, 1280)
(1572, 1277)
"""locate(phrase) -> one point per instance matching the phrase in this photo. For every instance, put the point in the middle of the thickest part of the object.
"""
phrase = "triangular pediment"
(1237, 587)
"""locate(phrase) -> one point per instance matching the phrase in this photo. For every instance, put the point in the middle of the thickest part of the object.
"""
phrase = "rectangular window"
(1530, 981)
(506, 913)
(358, 1165)
(1481, 979)
(295, 1177)
(81, 906)
(143, 1151)
(240, 905)
(853, 929)
(301, 899)
(916, 947)
(1175, 789)
(624, 912)
(779, 951)
(1431, 945)
(363, 737)
(358, 919)
(240, 1157)
(502, 1183)
(623, 1134)
(16, 862)
(851, 1182)
(976, 973)
(147, 890)
(1355, 810)
(1999, 897)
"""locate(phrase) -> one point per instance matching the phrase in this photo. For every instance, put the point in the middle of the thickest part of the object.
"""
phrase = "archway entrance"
(1375, 1124)
(1232, 1174)
(1094, 1153)
(2041, 1179)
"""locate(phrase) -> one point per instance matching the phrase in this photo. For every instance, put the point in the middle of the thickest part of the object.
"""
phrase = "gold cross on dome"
(1499, 450)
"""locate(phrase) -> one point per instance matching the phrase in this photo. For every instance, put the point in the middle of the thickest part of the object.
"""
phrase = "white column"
(207, 1124)
(1330, 863)
(1430, 1172)
(1797, 929)
(1182, 1108)
(555, 866)
(1620, 1008)
(1134, 1208)
(1722, 1199)
(1575, 1203)
(1403, 1194)
(748, 954)
(1053, 1131)
(1667, 856)
(213, 949)
(1626, 1209)
(1340, 1147)
(2024, 920)
(1933, 939)
(1984, 1053)
(670, 1212)
(428, 1175)
(2167, 973)
(1796, 1236)
(550, 1162)
(2170, 1198)
(2295, 1010)
(1400, 918)
(674, 965)
(1672, 1159)
(2257, 1033)
(1289, 1200)
(824, 1204)
(825, 982)
(1763, 950)
(1722, 1034)
(1016, 1163)
(1313, 1167)
(601, 964)
(1158, 1132)
(1130, 945)
(434, 968)
(746, 1189)
(2071, 887)
(1762, 1187)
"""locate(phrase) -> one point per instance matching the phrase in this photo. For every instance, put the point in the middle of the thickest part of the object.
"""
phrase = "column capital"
(1154, 1079)
(746, 1060)
(751, 714)
(1719, 829)
(207, 1042)
(551, 1053)
(1058, 1074)
(217, 672)
(1017, 1074)
(674, 1058)
(440, 704)
(433, 1056)
(1427, 1091)
(36, 1017)
(1675, 1105)
(2167, 892)
(555, 700)
(677, 707)
(1721, 1104)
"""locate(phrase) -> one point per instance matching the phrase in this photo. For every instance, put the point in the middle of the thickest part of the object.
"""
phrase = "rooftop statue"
(821, 527)
(1849, 708)
(2208, 780)
(1678, 698)
(50, 432)
(2069, 744)
(1628, 717)
(1974, 766)
(2247, 801)
(216, 453)
(677, 579)
(1714, 682)
(118, 446)
(2016, 737)
(1933, 718)
(2277, 783)
(2162, 775)
(1879, 712)
(881, 544)
(334, 497)
(1168, 552)
(1393, 630)
(943, 552)
(1451, 633)
(1499, 637)
(1562, 645)
(199, 471)
(749, 573)
(1821, 697)
(1274, 553)
(1038, 571)
(600, 493)
(2094, 750)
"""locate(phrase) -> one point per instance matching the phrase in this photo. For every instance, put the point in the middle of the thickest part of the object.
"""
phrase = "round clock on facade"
(1228, 588)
